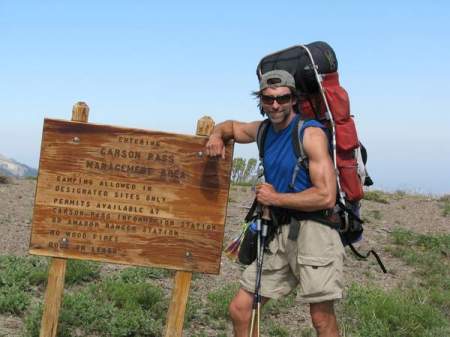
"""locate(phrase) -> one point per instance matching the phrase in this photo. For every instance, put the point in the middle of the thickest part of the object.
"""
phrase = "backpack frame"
(345, 213)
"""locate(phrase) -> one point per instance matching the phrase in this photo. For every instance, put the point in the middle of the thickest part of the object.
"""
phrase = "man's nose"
(275, 104)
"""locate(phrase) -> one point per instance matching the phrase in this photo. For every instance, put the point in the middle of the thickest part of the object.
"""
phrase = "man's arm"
(322, 194)
(238, 131)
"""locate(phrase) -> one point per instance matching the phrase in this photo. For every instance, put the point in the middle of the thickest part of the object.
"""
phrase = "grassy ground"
(130, 302)
(419, 308)
(413, 300)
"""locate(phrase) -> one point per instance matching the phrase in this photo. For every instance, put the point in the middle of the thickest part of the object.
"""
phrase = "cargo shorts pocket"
(317, 278)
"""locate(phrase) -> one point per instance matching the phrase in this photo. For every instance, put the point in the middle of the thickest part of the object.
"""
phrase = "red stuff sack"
(347, 142)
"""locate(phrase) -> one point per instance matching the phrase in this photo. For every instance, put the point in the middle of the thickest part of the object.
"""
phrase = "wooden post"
(180, 291)
(57, 270)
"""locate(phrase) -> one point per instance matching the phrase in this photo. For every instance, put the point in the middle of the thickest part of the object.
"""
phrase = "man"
(312, 257)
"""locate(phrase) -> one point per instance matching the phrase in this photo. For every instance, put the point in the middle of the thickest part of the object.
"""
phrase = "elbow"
(329, 201)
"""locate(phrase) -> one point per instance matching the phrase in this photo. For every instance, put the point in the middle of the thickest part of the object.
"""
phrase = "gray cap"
(276, 78)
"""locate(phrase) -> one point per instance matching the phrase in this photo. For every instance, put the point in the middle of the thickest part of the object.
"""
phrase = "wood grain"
(129, 196)
(57, 270)
(53, 297)
(180, 291)
(177, 306)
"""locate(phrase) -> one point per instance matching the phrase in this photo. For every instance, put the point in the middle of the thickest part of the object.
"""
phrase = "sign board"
(129, 196)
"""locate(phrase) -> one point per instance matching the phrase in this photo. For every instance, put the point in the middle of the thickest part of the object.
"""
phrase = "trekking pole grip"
(266, 213)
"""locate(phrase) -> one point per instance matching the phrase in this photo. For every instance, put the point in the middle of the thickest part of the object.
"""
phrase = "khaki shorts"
(314, 262)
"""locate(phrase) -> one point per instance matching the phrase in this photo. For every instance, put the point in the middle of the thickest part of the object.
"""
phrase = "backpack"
(330, 106)
(296, 61)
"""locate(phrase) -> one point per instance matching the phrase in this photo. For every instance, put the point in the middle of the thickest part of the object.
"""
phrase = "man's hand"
(266, 194)
(215, 146)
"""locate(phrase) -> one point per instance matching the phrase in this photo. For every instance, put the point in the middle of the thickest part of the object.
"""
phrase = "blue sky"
(161, 66)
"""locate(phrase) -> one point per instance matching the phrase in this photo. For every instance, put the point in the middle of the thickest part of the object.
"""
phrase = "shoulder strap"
(297, 144)
(261, 137)
(302, 158)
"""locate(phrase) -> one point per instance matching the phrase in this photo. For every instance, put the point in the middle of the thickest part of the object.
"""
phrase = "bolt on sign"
(129, 196)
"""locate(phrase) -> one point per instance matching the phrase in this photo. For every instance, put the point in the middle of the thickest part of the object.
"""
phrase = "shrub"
(370, 311)
(219, 300)
(275, 307)
(444, 198)
(111, 308)
(445, 208)
(5, 179)
(17, 276)
(13, 300)
(376, 196)
(79, 271)
(142, 274)
(276, 330)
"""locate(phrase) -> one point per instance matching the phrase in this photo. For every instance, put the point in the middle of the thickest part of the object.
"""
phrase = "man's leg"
(324, 319)
(241, 312)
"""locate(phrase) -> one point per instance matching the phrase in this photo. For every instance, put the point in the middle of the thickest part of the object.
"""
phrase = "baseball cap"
(276, 78)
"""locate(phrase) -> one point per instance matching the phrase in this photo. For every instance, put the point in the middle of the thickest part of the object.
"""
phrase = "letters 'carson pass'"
(308, 255)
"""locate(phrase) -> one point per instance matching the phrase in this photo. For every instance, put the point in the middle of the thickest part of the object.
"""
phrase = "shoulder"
(312, 123)
(315, 141)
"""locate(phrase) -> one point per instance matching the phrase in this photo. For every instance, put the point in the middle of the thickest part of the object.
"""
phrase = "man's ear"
(294, 101)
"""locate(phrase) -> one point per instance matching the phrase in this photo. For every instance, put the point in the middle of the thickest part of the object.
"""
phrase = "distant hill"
(12, 168)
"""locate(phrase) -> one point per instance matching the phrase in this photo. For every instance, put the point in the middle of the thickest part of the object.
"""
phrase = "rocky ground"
(421, 214)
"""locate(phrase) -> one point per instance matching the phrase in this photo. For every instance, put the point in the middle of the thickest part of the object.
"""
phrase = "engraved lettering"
(157, 231)
(124, 168)
(118, 185)
(82, 191)
(73, 180)
(124, 195)
(117, 153)
(76, 235)
(83, 223)
(139, 141)
(104, 250)
(125, 208)
(155, 198)
(164, 158)
(71, 202)
(120, 227)
(172, 174)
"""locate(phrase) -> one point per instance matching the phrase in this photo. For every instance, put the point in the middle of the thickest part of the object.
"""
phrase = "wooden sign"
(129, 196)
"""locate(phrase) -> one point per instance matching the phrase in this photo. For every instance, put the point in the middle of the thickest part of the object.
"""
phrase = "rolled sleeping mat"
(296, 61)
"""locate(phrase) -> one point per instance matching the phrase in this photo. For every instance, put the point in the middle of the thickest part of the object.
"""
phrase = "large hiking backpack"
(328, 102)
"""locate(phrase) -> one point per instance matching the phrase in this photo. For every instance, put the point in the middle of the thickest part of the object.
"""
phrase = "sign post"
(57, 271)
(128, 196)
(180, 292)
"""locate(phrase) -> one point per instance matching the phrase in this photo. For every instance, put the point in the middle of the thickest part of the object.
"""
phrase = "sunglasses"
(280, 99)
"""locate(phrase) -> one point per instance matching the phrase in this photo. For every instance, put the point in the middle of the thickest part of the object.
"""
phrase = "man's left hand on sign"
(266, 194)
(215, 146)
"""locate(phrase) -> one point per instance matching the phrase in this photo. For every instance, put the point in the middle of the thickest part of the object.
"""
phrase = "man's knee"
(323, 316)
(241, 305)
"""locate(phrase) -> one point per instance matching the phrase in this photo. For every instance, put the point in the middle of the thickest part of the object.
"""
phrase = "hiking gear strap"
(358, 254)
(261, 137)
(302, 159)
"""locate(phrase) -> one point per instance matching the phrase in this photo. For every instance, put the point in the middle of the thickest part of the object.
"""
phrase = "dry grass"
(5, 179)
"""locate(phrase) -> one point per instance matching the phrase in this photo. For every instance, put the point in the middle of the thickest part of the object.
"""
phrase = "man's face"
(277, 103)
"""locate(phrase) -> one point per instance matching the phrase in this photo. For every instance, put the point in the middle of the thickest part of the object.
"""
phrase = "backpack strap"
(261, 137)
(365, 256)
(302, 158)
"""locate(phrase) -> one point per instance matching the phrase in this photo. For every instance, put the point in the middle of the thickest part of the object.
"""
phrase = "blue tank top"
(280, 160)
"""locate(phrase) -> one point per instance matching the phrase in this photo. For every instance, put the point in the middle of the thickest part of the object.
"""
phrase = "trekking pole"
(264, 230)
(258, 271)
(259, 251)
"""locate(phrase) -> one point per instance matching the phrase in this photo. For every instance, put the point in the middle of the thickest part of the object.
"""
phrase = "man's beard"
(285, 112)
